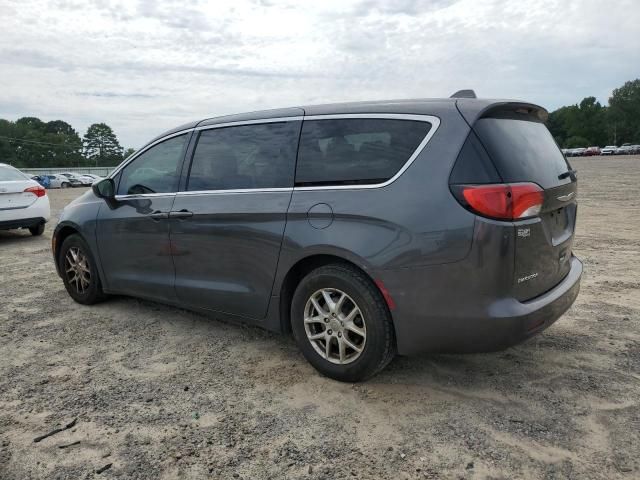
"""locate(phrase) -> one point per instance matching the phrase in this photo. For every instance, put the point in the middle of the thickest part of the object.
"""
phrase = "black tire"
(64, 185)
(92, 292)
(379, 347)
(37, 230)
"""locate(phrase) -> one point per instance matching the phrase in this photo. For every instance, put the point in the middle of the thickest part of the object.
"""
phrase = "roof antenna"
(464, 94)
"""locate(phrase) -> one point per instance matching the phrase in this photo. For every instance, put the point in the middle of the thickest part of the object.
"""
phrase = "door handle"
(181, 214)
(158, 215)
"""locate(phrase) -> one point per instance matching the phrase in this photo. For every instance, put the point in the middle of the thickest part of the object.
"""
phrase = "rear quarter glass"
(473, 165)
(356, 151)
(523, 151)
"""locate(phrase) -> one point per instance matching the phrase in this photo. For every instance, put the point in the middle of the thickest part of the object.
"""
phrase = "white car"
(77, 179)
(90, 177)
(23, 202)
(609, 150)
(58, 181)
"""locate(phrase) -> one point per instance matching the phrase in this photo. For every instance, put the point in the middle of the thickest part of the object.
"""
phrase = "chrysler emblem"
(567, 197)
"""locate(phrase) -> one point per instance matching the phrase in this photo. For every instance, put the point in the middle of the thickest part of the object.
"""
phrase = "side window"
(156, 170)
(246, 156)
(356, 151)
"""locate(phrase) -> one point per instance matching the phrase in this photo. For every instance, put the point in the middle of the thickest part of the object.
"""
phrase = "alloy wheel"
(335, 326)
(76, 265)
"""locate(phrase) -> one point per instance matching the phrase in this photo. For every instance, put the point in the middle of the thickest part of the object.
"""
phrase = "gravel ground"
(162, 393)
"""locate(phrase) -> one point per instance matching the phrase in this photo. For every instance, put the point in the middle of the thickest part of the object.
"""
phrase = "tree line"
(591, 124)
(30, 142)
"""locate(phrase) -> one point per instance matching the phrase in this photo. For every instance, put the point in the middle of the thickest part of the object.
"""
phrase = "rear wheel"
(79, 271)
(341, 323)
(37, 230)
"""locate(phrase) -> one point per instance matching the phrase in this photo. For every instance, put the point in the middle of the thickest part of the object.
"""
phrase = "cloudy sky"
(145, 66)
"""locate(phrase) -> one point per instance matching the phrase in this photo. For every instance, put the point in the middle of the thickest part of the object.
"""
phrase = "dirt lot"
(163, 393)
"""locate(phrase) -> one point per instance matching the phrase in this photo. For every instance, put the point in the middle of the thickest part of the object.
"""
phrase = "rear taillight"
(38, 191)
(502, 201)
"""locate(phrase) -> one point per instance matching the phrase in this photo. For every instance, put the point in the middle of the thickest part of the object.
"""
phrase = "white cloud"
(146, 66)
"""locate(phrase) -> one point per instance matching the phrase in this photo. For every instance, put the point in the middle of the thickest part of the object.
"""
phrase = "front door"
(227, 226)
(133, 231)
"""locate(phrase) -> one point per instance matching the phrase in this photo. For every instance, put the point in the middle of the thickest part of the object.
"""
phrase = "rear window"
(10, 174)
(356, 151)
(522, 151)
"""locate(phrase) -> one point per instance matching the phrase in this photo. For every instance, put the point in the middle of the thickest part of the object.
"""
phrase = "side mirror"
(105, 189)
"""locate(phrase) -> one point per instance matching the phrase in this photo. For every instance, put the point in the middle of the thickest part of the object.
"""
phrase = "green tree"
(8, 148)
(595, 124)
(128, 152)
(592, 122)
(65, 144)
(624, 113)
(30, 142)
(575, 142)
(101, 146)
(586, 122)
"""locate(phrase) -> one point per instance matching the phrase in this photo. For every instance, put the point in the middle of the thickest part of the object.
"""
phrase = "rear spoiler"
(464, 94)
(472, 110)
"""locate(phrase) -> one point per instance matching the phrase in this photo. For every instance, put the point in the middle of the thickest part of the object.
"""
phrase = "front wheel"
(79, 271)
(64, 185)
(341, 323)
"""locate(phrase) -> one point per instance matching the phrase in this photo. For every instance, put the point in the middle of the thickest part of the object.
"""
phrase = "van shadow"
(540, 359)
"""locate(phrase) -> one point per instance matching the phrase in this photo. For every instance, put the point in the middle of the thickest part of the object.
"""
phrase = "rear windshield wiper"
(569, 173)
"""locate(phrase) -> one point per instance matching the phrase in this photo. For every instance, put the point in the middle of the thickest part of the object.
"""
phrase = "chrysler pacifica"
(366, 229)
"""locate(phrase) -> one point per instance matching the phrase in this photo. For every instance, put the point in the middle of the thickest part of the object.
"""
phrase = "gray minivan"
(367, 229)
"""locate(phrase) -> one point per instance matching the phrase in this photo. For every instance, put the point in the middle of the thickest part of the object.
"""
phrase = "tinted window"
(356, 151)
(247, 156)
(10, 174)
(156, 170)
(522, 151)
(473, 164)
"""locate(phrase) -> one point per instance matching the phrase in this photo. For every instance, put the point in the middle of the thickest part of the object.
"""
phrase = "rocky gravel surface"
(161, 393)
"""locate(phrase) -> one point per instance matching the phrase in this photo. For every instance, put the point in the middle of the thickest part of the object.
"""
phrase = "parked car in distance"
(624, 150)
(578, 152)
(23, 202)
(74, 179)
(91, 178)
(42, 180)
(591, 151)
(609, 150)
(356, 226)
(58, 181)
(635, 149)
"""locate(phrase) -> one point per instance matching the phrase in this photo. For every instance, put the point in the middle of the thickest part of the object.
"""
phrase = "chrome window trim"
(239, 123)
(135, 196)
(433, 120)
(235, 190)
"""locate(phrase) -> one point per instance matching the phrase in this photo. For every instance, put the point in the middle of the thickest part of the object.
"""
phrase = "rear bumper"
(459, 326)
(38, 212)
(21, 223)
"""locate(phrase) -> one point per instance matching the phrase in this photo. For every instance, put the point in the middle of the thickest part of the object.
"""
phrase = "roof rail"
(464, 94)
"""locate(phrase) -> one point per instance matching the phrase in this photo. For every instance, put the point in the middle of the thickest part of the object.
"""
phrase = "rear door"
(523, 150)
(12, 189)
(227, 224)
